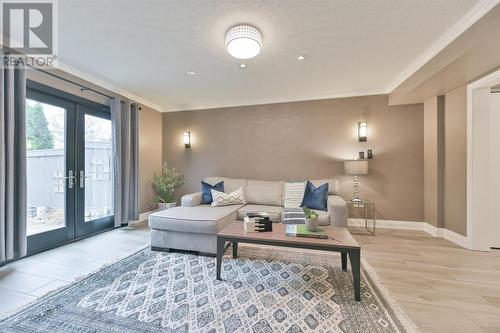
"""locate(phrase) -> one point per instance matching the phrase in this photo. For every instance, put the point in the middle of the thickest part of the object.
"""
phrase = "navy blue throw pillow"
(206, 191)
(315, 197)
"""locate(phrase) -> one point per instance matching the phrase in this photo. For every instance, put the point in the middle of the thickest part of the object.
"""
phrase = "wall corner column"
(434, 146)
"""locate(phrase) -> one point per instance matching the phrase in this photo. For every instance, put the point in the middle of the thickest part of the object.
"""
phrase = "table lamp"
(356, 168)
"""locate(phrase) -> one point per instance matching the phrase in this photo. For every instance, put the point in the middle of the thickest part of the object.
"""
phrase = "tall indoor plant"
(164, 183)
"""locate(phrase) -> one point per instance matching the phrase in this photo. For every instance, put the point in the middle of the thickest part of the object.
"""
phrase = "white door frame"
(478, 175)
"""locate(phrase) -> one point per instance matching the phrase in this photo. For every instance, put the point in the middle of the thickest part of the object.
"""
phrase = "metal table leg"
(220, 252)
(355, 258)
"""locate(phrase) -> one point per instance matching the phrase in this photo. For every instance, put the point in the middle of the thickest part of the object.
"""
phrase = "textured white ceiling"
(352, 47)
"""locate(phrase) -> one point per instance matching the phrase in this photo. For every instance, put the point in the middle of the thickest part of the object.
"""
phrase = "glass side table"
(368, 208)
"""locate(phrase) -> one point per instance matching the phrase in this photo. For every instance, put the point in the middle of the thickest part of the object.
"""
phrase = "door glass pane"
(46, 170)
(98, 168)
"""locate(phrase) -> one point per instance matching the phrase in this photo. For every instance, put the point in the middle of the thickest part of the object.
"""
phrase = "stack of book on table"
(257, 222)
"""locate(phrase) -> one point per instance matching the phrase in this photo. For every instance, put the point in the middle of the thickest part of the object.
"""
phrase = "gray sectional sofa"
(193, 226)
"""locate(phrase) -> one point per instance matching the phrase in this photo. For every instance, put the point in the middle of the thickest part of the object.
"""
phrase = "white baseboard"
(388, 224)
(447, 234)
(414, 225)
(383, 224)
(142, 217)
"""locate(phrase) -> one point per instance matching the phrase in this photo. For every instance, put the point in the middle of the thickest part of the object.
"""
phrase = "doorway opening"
(483, 163)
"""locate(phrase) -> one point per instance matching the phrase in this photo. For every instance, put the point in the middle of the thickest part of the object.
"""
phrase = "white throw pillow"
(228, 199)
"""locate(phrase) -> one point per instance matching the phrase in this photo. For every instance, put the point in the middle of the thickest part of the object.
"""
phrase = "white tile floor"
(27, 279)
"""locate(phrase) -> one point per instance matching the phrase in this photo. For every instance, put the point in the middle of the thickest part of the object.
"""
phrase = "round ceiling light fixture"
(243, 41)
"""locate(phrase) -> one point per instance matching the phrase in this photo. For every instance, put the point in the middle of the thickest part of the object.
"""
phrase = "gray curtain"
(13, 242)
(124, 116)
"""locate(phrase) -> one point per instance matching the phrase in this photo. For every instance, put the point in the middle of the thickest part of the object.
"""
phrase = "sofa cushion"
(230, 184)
(262, 192)
(273, 211)
(333, 184)
(202, 219)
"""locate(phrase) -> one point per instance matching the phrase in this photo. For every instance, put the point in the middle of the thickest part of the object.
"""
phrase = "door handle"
(82, 178)
(70, 178)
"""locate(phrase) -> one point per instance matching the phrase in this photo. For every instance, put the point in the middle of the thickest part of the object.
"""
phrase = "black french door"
(69, 167)
(94, 165)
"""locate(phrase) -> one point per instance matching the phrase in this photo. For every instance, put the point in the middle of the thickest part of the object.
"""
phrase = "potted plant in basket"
(311, 219)
(164, 184)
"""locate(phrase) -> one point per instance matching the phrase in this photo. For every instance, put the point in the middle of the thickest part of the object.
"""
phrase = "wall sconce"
(362, 131)
(187, 139)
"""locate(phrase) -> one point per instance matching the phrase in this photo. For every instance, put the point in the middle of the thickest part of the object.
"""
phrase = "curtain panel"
(124, 117)
(13, 241)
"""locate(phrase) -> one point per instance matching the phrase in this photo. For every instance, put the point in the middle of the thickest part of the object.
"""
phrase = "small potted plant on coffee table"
(311, 219)
(164, 184)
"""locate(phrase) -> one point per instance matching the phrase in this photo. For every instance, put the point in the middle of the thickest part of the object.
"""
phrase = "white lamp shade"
(356, 167)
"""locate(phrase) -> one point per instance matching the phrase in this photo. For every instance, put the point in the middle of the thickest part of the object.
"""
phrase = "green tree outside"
(38, 135)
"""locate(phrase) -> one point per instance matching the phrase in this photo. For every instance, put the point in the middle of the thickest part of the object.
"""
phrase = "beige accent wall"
(303, 140)
(455, 165)
(445, 161)
(150, 155)
(150, 132)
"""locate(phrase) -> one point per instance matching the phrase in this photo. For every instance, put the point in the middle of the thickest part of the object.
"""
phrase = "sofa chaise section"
(192, 228)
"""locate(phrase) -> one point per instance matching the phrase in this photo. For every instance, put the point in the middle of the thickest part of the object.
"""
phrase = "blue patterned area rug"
(264, 290)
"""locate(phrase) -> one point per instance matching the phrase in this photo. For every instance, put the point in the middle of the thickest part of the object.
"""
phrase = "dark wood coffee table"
(339, 240)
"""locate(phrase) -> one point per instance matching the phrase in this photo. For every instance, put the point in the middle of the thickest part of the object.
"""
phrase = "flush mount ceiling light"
(301, 57)
(191, 73)
(243, 41)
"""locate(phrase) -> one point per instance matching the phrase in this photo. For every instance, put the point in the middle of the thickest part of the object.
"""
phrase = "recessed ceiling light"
(243, 41)
(243, 66)
(191, 73)
(301, 57)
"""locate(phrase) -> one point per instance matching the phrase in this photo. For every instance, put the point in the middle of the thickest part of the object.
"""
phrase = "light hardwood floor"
(442, 287)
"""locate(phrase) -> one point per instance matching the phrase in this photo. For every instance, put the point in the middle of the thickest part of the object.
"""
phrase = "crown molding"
(345, 94)
(108, 86)
(103, 84)
(478, 11)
